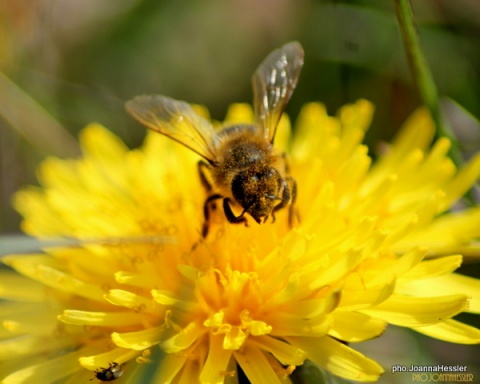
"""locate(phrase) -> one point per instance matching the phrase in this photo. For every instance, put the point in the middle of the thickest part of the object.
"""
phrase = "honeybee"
(241, 165)
(113, 372)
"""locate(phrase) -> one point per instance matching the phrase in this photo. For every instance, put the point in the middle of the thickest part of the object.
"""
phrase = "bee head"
(256, 190)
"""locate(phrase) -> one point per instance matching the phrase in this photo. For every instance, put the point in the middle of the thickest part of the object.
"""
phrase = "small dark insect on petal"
(113, 372)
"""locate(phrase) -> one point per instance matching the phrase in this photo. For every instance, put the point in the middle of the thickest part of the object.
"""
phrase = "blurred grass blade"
(26, 116)
(18, 244)
(422, 74)
(10, 244)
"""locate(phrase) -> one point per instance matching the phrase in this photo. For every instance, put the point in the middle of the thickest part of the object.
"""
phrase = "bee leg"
(202, 169)
(291, 210)
(231, 216)
(293, 193)
(206, 212)
(286, 197)
(203, 172)
(286, 164)
(289, 196)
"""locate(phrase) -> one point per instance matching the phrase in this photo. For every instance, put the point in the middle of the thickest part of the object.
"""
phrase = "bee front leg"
(292, 211)
(231, 216)
(206, 213)
(203, 169)
(286, 164)
(289, 196)
(286, 197)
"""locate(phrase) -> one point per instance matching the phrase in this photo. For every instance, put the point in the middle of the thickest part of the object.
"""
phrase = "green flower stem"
(423, 75)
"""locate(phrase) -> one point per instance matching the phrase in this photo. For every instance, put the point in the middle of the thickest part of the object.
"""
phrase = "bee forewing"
(273, 84)
(177, 120)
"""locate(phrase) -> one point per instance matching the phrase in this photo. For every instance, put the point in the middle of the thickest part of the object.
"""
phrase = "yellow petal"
(432, 268)
(58, 173)
(171, 364)
(102, 145)
(216, 363)
(403, 264)
(48, 371)
(416, 132)
(201, 110)
(27, 345)
(338, 268)
(306, 140)
(314, 307)
(101, 319)
(365, 298)
(338, 358)
(256, 327)
(12, 309)
(239, 113)
(51, 277)
(140, 280)
(449, 284)
(22, 322)
(139, 340)
(452, 331)
(446, 233)
(215, 319)
(354, 327)
(189, 373)
(285, 353)
(18, 288)
(103, 360)
(354, 120)
(353, 172)
(44, 222)
(184, 338)
(255, 365)
(463, 181)
(356, 116)
(410, 311)
(234, 337)
(289, 324)
(165, 297)
(282, 135)
(129, 300)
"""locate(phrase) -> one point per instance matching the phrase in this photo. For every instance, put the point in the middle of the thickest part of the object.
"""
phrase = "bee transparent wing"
(177, 120)
(273, 84)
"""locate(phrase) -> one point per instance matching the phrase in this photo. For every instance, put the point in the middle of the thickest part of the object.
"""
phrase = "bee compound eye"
(239, 184)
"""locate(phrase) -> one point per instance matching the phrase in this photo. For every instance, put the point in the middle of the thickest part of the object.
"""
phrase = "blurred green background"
(67, 63)
(64, 64)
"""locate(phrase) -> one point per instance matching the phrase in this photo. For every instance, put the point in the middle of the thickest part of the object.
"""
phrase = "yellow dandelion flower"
(155, 302)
